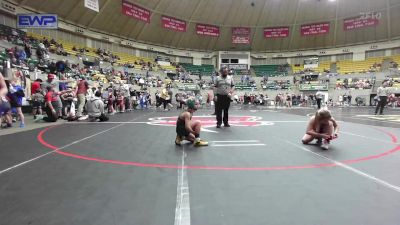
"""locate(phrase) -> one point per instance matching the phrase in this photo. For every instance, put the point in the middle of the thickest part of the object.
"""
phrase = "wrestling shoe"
(325, 145)
(199, 143)
(178, 140)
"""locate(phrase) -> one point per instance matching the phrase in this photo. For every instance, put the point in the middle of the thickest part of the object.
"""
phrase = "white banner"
(92, 4)
(311, 63)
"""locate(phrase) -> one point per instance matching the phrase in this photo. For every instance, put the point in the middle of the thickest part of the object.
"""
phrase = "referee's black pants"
(222, 105)
(319, 103)
(381, 104)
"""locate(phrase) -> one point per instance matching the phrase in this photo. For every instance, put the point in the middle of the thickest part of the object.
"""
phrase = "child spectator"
(120, 102)
(37, 103)
(68, 98)
(111, 100)
(143, 101)
(15, 94)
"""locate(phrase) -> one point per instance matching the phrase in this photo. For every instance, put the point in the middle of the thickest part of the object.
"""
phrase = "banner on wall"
(173, 24)
(92, 4)
(42, 21)
(235, 66)
(134, 11)
(314, 29)
(314, 87)
(207, 30)
(361, 21)
(241, 35)
(276, 32)
(311, 63)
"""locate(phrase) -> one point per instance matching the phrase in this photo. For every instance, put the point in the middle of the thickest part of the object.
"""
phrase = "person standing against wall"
(224, 87)
(382, 94)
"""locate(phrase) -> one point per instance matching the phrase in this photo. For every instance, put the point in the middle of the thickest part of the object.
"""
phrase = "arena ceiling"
(226, 14)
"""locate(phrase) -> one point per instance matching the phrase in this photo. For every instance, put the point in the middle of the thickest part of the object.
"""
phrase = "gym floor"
(257, 172)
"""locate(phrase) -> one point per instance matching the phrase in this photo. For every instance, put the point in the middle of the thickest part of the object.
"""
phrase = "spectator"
(288, 100)
(127, 97)
(319, 96)
(15, 94)
(68, 99)
(143, 101)
(382, 93)
(134, 99)
(120, 102)
(53, 42)
(35, 86)
(111, 101)
(95, 108)
(170, 94)
(28, 50)
(40, 53)
(349, 97)
(83, 86)
(179, 100)
(37, 103)
(21, 55)
(165, 98)
(51, 105)
(63, 84)
(5, 107)
(28, 86)
(55, 87)
(46, 42)
(60, 66)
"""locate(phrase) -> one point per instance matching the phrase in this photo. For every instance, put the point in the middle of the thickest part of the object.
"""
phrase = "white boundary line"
(349, 168)
(65, 146)
(373, 120)
(369, 138)
(106, 122)
(381, 116)
(237, 141)
(182, 210)
(237, 145)
(154, 122)
(207, 130)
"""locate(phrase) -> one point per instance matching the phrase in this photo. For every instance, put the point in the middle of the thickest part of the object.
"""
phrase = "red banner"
(359, 22)
(137, 12)
(207, 30)
(276, 32)
(173, 24)
(315, 29)
(241, 35)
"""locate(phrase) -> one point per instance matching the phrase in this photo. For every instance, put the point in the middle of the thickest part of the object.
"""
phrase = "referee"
(382, 94)
(224, 87)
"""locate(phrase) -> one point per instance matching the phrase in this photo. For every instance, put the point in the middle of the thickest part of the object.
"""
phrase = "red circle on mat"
(172, 166)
